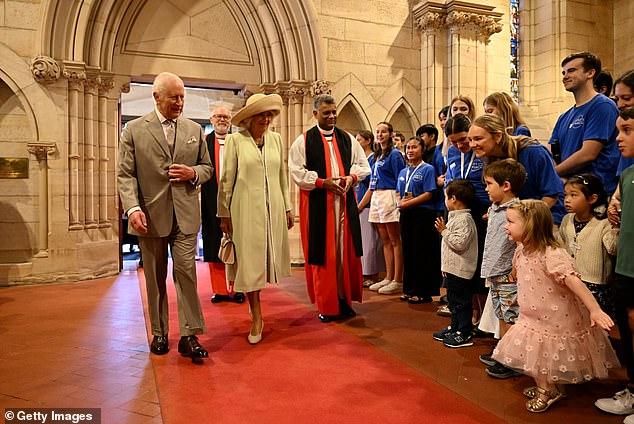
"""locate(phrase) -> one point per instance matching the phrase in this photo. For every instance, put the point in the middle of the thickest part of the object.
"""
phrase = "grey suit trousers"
(155, 265)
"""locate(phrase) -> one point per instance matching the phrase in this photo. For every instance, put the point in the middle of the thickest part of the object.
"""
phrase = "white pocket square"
(192, 140)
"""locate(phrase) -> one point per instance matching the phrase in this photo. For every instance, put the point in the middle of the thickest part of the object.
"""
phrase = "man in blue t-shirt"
(586, 133)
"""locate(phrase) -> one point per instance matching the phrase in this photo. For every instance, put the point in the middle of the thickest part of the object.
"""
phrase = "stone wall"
(623, 29)
(372, 53)
(18, 197)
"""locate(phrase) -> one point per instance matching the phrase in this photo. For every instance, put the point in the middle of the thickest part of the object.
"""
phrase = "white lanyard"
(408, 178)
(462, 174)
(375, 169)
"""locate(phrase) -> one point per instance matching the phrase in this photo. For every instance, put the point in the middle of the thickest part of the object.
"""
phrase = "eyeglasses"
(220, 117)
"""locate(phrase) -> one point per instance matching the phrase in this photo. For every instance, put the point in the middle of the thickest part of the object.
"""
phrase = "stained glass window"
(515, 57)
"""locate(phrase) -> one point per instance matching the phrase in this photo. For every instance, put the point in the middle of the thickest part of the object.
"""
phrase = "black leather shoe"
(327, 318)
(159, 345)
(188, 346)
(239, 297)
(217, 298)
(345, 309)
(479, 334)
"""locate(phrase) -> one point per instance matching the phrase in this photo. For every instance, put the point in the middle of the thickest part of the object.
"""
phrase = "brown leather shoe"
(189, 347)
(159, 345)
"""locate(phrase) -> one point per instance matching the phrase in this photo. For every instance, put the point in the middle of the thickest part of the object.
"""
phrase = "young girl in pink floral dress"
(555, 339)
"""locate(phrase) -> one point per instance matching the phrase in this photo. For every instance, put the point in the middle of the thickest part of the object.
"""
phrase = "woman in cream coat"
(254, 204)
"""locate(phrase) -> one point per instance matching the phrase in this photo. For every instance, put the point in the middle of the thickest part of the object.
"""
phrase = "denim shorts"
(504, 299)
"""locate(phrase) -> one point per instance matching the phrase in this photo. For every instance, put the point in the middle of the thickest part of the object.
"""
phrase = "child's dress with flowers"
(552, 336)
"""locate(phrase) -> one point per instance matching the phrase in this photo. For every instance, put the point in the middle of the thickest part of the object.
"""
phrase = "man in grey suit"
(162, 159)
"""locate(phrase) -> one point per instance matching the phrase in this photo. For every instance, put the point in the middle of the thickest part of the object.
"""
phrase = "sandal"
(531, 391)
(405, 298)
(418, 300)
(367, 283)
(537, 404)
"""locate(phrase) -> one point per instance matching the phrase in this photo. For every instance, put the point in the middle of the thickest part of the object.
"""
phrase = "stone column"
(470, 27)
(41, 152)
(106, 84)
(91, 191)
(453, 51)
(431, 22)
(76, 76)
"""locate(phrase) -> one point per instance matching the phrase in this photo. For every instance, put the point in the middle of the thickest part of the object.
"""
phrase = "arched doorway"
(101, 46)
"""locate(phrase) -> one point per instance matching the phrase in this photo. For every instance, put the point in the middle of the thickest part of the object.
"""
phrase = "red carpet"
(303, 371)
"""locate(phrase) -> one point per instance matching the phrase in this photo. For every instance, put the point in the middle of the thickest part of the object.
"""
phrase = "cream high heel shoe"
(257, 338)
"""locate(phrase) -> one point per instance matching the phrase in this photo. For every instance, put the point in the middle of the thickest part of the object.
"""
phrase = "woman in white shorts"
(384, 209)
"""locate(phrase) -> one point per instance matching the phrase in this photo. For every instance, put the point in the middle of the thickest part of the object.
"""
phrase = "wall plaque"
(14, 168)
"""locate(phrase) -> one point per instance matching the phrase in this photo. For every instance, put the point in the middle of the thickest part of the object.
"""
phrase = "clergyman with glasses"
(221, 288)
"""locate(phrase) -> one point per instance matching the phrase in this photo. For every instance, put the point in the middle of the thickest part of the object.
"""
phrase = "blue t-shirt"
(624, 163)
(541, 178)
(467, 166)
(440, 168)
(594, 120)
(363, 186)
(522, 130)
(385, 171)
(421, 181)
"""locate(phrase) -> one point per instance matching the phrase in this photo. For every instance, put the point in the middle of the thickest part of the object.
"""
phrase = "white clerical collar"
(326, 132)
(221, 141)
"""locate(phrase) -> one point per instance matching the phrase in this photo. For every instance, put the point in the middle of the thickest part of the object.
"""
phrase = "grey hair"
(323, 98)
(161, 79)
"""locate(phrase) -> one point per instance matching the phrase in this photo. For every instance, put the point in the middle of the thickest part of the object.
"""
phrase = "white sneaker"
(382, 283)
(621, 404)
(629, 419)
(393, 288)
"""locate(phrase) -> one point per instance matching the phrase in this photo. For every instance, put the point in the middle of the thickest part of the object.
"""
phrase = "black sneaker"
(498, 370)
(440, 335)
(487, 359)
(457, 339)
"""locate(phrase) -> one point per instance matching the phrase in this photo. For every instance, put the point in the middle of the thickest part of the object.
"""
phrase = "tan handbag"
(227, 253)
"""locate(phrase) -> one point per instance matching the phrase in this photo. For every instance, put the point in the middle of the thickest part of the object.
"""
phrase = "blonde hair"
(538, 225)
(510, 145)
(507, 108)
(466, 100)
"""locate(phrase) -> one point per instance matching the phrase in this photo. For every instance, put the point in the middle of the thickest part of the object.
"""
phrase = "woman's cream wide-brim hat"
(256, 104)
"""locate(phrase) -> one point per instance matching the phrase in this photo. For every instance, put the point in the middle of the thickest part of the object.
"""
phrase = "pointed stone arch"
(403, 118)
(283, 33)
(350, 115)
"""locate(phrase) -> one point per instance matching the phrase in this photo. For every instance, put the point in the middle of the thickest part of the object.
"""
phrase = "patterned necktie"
(170, 133)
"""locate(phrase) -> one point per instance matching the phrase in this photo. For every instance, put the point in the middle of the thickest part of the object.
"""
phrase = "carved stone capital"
(105, 85)
(482, 25)
(298, 93)
(91, 85)
(320, 87)
(487, 26)
(76, 77)
(45, 69)
(41, 150)
(125, 88)
(431, 22)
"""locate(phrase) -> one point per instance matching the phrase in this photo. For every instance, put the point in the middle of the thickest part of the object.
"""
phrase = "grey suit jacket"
(144, 159)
